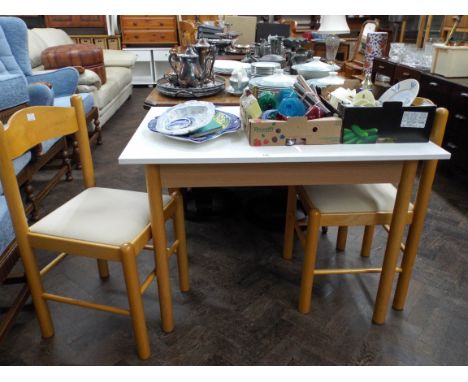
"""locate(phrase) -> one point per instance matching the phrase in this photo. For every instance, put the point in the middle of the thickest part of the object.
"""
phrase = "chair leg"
(182, 257)
(67, 162)
(135, 301)
(31, 198)
(97, 126)
(367, 240)
(103, 268)
(289, 225)
(76, 154)
(310, 256)
(33, 278)
(341, 238)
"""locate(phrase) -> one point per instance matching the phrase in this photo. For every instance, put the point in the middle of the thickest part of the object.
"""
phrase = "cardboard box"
(390, 123)
(450, 61)
(393, 122)
(294, 131)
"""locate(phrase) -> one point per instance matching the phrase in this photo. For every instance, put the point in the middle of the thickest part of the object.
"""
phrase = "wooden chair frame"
(27, 129)
(356, 64)
(316, 219)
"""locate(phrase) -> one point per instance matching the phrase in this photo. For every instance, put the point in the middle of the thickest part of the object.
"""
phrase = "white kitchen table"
(230, 161)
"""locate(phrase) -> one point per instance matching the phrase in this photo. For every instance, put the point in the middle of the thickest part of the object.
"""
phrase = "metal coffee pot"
(300, 56)
(187, 68)
(276, 43)
(206, 57)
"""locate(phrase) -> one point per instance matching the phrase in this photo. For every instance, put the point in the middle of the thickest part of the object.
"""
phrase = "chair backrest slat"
(33, 125)
(29, 127)
(440, 123)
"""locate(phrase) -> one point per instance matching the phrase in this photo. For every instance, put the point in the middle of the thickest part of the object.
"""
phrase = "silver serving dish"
(167, 87)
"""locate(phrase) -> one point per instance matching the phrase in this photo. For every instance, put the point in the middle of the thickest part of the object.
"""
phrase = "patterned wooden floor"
(241, 309)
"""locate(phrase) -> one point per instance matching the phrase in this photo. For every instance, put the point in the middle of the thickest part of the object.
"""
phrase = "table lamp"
(332, 25)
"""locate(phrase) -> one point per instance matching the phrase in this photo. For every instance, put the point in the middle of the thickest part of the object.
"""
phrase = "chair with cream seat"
(357, 205)
(101, 223)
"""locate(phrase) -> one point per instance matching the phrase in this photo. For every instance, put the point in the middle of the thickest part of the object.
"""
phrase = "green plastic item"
(267, 101)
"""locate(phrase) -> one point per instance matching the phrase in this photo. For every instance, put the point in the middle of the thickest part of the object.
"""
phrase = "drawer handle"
(432, 83)
(461, 117)
(451, 145)
(406, 74)
(464, 95)
(381, 67)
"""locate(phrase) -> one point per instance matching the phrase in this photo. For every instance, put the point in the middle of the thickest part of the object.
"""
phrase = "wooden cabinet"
(434, 88)
(75, 21)
(403, 72)
(451, 93)
(148, 30)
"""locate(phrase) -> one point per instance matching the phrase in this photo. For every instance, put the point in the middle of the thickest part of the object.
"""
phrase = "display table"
(230, 161)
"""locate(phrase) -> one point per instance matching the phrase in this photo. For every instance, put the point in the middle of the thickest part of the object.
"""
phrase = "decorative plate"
(405, 91)
(185, 118)
(229, 123)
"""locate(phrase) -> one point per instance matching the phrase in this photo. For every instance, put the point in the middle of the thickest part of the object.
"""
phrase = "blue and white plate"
(232, 125)
(405, 91)
(185, 118)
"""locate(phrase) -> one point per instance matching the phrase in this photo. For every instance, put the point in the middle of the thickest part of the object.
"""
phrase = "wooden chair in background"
(105, 224)
(187, 33)
(292, 26)
(353, 205)
(355, 65)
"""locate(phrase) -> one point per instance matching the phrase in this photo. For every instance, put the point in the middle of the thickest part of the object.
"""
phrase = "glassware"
(332, 42)
(396, 51)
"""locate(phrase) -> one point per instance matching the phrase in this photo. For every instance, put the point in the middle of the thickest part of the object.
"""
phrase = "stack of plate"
(226, 67)
(194, 121)
(264, 68)
(273, 83)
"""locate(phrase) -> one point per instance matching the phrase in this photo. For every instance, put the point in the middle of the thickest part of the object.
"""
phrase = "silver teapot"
(206, 57)
(187, 68)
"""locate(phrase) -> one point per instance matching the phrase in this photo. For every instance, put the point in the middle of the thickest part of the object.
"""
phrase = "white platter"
(405, 91)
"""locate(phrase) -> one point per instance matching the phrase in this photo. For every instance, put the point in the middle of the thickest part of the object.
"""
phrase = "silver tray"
(168, 89)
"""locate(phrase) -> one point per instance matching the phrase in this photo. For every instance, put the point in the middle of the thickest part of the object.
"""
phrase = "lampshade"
(333, 24)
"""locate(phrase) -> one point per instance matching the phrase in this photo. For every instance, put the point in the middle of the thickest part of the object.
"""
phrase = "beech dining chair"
(356, 205)
(101, 223)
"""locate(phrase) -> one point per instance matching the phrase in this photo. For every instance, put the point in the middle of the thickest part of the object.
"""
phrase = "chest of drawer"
(385, 68)
(459, 103)
(437, 90)
(403, 73)
(150, 36)
(143, 22)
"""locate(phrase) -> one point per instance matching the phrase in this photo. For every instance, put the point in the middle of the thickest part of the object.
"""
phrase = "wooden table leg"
(400, 212)
(158, 228)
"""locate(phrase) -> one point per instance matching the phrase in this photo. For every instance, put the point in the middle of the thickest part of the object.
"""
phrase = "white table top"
(147, 147)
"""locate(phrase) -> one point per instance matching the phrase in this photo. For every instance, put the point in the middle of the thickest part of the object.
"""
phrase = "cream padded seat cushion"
(100, 215)
(349, 198)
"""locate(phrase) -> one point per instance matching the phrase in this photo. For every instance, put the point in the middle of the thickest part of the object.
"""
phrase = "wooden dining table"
(230, 161)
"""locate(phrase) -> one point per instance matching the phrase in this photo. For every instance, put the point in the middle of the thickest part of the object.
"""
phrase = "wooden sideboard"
(75, 21)
(148, 30)
(451, 93)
